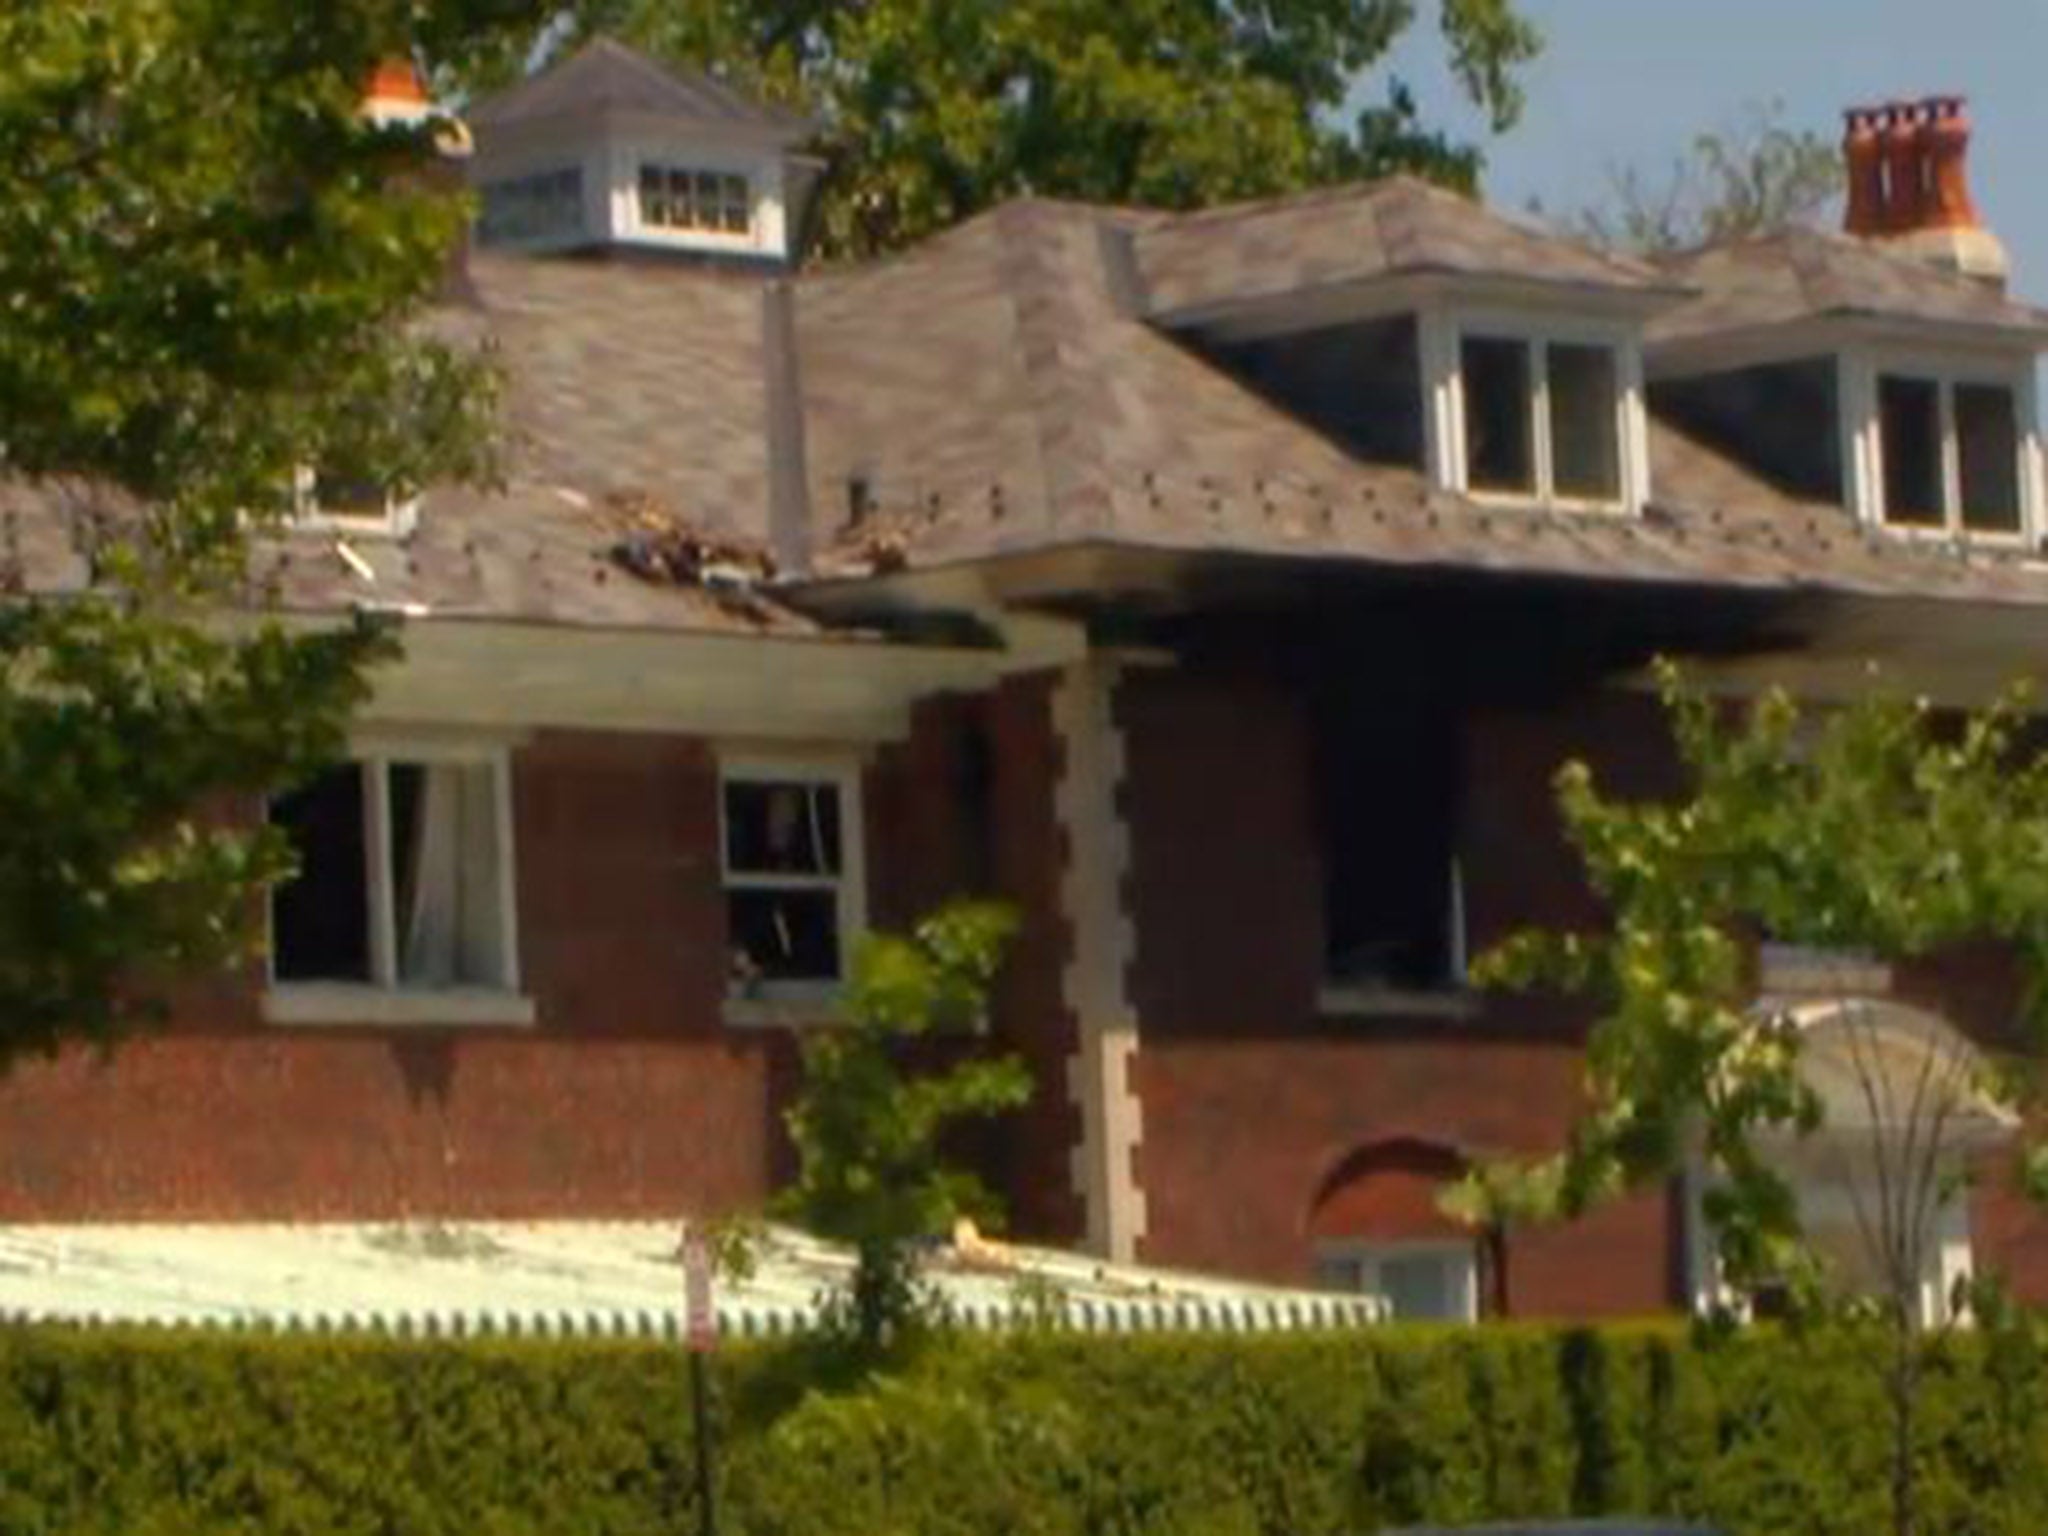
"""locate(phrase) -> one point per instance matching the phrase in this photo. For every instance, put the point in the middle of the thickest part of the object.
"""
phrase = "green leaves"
(936, 109)
(1879, 828)
(882, 1092)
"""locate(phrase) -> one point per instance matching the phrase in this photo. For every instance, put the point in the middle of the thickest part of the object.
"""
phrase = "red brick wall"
(1252, 1103)
(630, 1097)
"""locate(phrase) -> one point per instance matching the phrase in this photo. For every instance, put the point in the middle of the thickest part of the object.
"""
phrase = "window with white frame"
(694, 201)
(1427, 1281)
(1543, 418)
(1951, 454)
(348, 500)
(792, 870)
(405, 876)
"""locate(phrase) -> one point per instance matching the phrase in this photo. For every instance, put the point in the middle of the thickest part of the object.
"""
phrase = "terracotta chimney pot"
(1947, 139)
(1863, 150)
(1905, 166)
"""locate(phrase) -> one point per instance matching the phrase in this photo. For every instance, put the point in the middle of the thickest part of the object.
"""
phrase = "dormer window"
(1542, 417)
(688, 201)
(1941, 446)
(353, 503)
(541, 208)
(1950, 451)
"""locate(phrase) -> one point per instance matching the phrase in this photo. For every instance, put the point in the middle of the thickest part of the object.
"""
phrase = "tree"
(932, 110)
(1753, 177)
(210, 262)
(870, 1126)
(1880, 829)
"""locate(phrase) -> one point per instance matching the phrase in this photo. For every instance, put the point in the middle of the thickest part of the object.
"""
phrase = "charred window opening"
(1360, 385)
(1389, 790)
(1988, 457)
(785, 880)
(1500, 447)
(1909, 426)
(1779, 419)
(320, 920)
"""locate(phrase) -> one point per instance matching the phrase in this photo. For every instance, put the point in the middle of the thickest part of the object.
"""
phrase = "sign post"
(700, 1336)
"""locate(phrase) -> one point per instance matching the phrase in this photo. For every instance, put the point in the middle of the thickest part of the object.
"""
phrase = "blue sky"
(1630, 81)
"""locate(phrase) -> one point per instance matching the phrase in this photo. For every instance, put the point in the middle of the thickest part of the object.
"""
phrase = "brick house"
(1222, 589)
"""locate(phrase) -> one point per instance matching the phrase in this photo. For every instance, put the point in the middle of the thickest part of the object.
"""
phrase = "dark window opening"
(347, 491)
(783, 865)
(784, 935)
(320, 919)
(1499, 443)
(1389, 789)
(1585, 430)
(1909, 424)
(1781, 420)
(1360, 385)
(1988, 452)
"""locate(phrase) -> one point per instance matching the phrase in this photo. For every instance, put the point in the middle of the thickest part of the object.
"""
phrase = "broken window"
(1542, 418)
(1388, 793)
(789, 898)
(403, 878)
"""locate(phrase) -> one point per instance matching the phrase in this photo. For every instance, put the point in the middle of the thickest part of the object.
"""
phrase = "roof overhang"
(1819, 335)
(488, 674)
(1254, 315)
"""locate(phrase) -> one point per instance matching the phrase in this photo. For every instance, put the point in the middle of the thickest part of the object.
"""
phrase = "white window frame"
(1862, 430)
(764, 231)
(770, 1001)
(1369, 1254)
(384, 999)
(399, 518)
(1443, 333)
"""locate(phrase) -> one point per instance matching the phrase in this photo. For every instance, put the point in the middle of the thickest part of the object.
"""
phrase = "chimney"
(1909, 186)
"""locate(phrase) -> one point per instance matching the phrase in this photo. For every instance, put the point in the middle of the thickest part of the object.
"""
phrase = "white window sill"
(345, 1003)
(1372, 1002)
(796, 1007)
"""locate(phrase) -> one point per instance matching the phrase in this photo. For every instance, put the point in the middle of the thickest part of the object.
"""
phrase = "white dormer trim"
(1442, 332)
(1859, 368)
(401, 514)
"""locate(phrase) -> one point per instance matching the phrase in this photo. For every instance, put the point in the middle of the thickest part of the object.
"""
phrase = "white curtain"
(450, 936)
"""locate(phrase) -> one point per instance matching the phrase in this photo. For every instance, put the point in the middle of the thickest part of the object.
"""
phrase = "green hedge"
(1041, 1435)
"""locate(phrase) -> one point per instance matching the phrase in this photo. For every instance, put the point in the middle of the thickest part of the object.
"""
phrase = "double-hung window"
(1542, 418)
(402, 906)
(1951, 454)
(791, 840)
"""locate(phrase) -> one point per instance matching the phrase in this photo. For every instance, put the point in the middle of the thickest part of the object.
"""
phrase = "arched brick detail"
(1387, 1191)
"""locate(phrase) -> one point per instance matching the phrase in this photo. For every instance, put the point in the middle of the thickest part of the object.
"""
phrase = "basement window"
(1421, 1281)
(1951, 452)
(1542, 419)
(1388, 792)
(792, 856)
(404, 886)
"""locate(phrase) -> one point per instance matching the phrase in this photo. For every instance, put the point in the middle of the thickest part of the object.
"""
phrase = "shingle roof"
(606, 75)
(1809, 275)
(1399, 226)
(995, 396)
